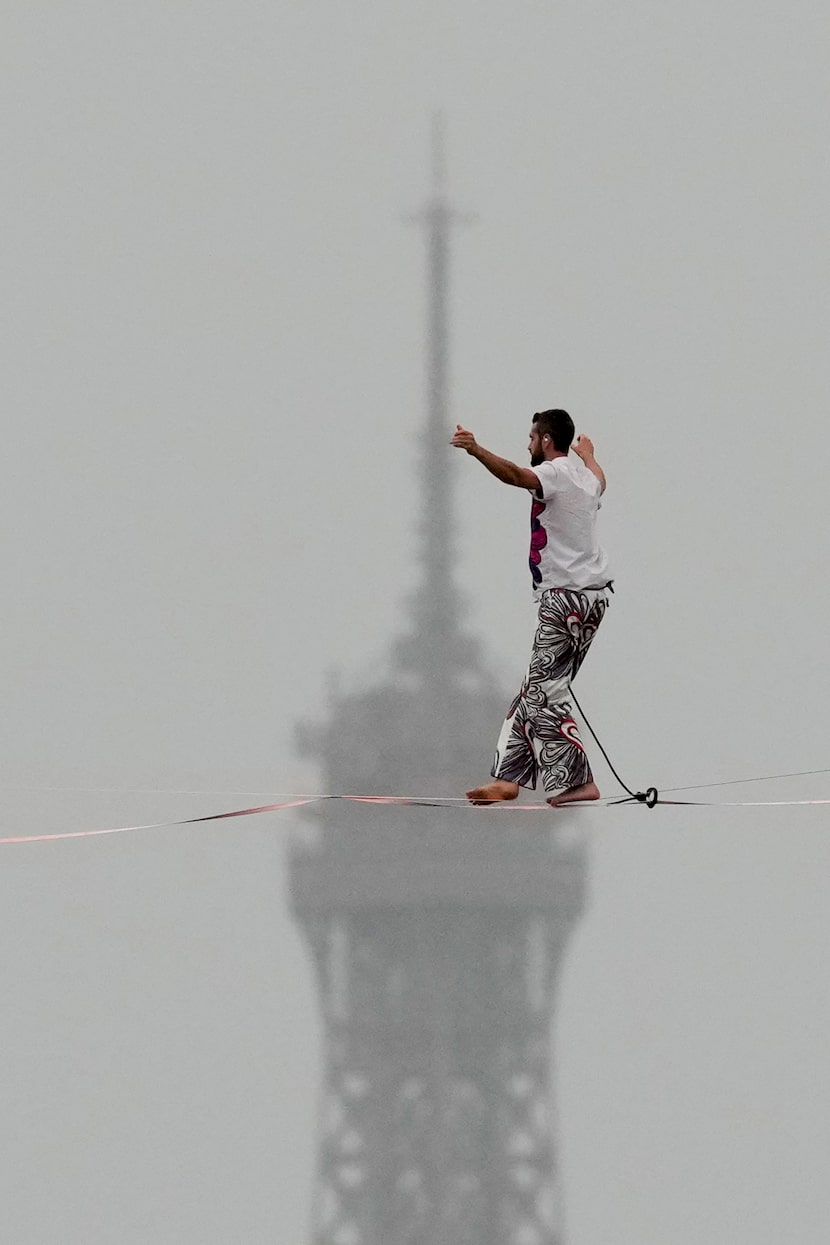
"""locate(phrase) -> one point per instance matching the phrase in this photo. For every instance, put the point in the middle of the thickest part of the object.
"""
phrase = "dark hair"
(558, 425)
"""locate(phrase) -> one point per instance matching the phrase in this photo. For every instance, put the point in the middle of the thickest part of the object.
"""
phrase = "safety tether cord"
(649, 797)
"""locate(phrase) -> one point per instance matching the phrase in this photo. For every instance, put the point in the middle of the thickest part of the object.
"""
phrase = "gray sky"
(212, 362)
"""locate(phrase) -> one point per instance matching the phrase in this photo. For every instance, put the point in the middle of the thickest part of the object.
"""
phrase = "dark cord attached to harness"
(649, 797)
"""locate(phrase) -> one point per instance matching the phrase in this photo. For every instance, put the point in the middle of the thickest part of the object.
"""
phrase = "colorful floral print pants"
(539, 734)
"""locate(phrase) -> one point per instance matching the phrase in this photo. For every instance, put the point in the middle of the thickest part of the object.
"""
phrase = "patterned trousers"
(539, 733)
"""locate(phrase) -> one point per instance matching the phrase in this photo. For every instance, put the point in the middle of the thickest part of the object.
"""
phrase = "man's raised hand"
(464, 440)
(584, 447)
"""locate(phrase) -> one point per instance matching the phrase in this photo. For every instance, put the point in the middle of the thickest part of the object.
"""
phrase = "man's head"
(551, 434)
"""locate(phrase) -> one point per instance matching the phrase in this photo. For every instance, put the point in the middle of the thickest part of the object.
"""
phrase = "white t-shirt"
(564, 550)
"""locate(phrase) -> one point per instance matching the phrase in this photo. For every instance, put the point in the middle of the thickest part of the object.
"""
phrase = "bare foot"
(575, 795)
(493, 791)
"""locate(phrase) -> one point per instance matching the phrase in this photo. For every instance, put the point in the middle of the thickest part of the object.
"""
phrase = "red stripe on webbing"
(156, 825)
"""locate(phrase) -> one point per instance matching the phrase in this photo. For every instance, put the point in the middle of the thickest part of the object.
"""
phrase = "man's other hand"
(464, 440)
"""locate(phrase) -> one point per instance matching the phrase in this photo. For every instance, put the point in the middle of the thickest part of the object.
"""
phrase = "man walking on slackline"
(570, 585)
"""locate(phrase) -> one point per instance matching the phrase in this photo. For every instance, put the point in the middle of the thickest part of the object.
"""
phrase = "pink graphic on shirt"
(538, 540)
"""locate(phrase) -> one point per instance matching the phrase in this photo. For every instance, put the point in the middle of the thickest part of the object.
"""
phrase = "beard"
(536, 460)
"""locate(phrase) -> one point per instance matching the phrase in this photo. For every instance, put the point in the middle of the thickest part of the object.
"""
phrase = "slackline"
(456, 803)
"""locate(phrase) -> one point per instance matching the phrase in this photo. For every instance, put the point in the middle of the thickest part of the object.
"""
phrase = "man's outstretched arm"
(584, 447)
(501, 468)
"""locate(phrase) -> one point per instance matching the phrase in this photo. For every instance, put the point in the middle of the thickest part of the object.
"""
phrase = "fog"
(213, 356)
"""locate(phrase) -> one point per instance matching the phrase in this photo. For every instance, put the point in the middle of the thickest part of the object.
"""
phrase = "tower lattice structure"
(437, 935)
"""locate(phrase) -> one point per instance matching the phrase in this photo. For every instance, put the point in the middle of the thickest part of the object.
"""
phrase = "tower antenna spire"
(439, 154)
(437, 651)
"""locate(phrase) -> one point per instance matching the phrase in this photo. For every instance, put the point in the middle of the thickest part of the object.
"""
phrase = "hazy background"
(212, 387)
